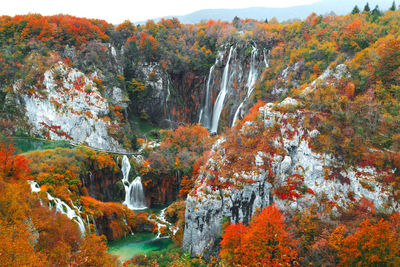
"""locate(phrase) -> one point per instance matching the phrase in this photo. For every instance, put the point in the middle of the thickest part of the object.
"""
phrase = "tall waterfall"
(253, 75)
(205, 115)
(251, 82)
(232, 79)
(134, 194)
(219, 103)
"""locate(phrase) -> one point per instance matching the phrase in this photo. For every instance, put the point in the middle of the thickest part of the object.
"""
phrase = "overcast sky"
(116, 11)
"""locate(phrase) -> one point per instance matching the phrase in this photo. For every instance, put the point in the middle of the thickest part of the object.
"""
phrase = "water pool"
(128, 247)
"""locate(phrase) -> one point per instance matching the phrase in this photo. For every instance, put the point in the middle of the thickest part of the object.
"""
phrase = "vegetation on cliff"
(331, 89)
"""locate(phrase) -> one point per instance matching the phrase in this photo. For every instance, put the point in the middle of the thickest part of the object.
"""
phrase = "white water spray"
(205, 114)
(134, 194)
(61, 207)
(251, 82)
(219, 103)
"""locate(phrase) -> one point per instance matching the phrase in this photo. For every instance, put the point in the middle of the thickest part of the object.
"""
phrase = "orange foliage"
(371, 245)
(31, 234)
(264, 242)
(113, 214)
(13, 166)
(59, 28)
(253, 113)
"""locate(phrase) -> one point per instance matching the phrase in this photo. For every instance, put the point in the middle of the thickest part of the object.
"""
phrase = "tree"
(366, 8)
(265, 242)
(371, 245)
(393, 7)
(13, 167)
(231, 247)
(93, 252)
(17, 246)
(355, 10)
(376, 12)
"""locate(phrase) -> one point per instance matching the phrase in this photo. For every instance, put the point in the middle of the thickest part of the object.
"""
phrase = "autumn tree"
(371, 245)
(92, 252)
(231, 244)
(265, 242)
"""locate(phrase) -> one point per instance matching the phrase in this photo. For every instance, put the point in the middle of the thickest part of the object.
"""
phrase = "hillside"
(225, 143)
(322, 7)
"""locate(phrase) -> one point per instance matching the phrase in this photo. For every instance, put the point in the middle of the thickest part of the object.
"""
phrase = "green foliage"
(355, 10)
(367, 8)
(171, 257)
(393, 6)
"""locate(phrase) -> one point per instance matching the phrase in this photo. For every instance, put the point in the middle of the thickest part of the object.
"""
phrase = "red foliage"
(13, 167)
(265, 242)
(254, 111)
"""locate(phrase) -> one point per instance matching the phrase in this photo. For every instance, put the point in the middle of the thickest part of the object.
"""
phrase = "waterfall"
(235, 118)
(265, 59)
(251, 82)
(205, 115)
(200, 116)
(94, 223)
(134, 194)
(88, 222)
(34, 186)
(62, 207)
(219, 103)
(161, 221)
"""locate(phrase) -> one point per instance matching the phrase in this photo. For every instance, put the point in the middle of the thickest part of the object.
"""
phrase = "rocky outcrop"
(70, 107)
(321, 181)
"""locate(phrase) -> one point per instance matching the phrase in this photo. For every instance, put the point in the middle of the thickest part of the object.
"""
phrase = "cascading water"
(236, 116)
(219, 103)
(134, 194)
(265, 58)
(252, 78)
(62, 207)
(251, 82)
(238, 74)
(205, 114)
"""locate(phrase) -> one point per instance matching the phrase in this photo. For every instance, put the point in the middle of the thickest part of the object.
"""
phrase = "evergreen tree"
(376, 12)
(355, 10)
(366, 8)
(393, 7)
(266, 20)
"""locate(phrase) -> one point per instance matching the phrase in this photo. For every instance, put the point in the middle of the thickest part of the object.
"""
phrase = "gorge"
(170, 143)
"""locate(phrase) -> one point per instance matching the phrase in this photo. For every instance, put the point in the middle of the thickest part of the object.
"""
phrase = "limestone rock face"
(326, 182)
(70, 107)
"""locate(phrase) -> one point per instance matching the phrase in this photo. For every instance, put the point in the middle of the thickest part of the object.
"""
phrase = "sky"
(116, 11)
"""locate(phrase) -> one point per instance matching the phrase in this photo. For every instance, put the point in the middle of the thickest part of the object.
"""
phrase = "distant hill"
(339, 7)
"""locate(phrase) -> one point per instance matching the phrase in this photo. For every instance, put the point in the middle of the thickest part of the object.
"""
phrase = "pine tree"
(355, 10)
(366, 8)
(376, 13)
(393, 7)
